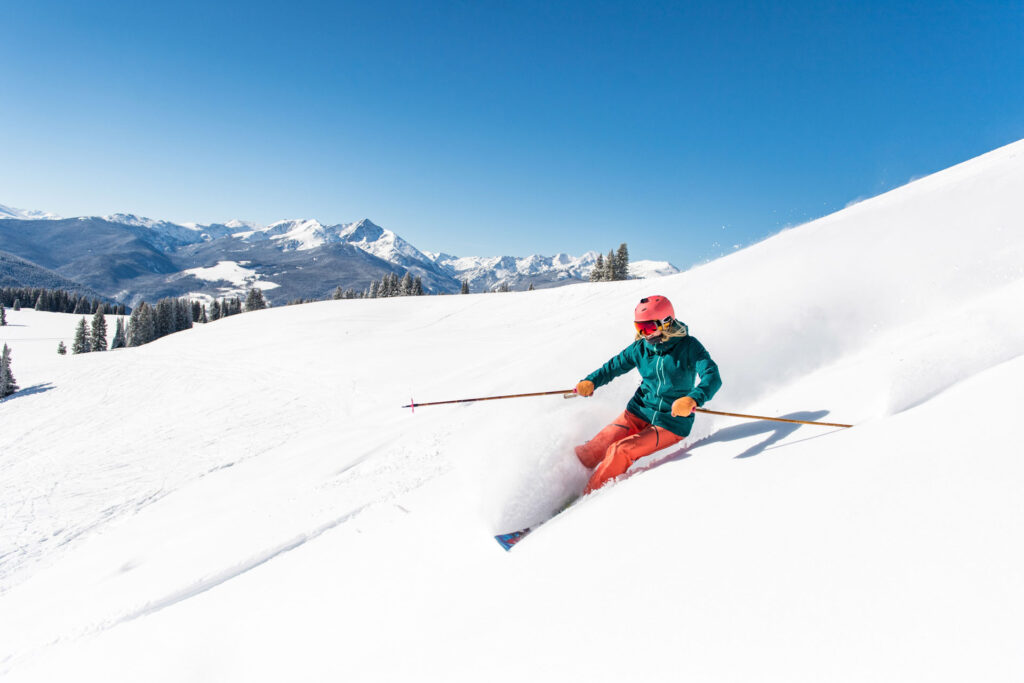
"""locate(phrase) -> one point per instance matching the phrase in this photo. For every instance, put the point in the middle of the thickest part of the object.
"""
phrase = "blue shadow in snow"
(28, 391)
(773, 431)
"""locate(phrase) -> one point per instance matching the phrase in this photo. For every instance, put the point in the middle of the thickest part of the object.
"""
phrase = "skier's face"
(650, 329)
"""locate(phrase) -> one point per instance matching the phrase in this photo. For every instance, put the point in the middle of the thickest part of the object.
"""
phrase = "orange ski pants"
(619, 445)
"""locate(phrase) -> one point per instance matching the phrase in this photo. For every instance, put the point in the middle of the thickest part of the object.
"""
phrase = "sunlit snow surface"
(234, 273)
(246, 500)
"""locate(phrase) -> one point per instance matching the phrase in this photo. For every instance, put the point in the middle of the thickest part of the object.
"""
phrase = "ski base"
(508, 540)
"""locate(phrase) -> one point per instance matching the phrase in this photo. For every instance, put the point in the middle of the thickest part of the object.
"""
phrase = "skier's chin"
(655, 338)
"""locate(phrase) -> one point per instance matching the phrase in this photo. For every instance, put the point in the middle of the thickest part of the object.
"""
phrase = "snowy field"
(246, 501)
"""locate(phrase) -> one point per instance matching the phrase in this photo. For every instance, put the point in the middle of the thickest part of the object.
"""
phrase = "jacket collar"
(666, 346)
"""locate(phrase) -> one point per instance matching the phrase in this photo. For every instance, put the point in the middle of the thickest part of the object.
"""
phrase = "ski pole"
(566, 393)
(773, 419)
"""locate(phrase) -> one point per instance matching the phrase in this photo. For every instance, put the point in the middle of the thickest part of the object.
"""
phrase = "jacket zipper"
(661, 382)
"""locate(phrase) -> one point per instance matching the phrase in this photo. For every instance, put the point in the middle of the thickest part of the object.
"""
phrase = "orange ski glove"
(585, 388)
(683, 407)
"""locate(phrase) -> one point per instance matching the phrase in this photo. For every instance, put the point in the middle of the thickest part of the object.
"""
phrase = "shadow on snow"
(774, 433)
(28, 391)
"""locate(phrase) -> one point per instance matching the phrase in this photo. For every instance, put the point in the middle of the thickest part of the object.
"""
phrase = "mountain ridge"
(146, 258)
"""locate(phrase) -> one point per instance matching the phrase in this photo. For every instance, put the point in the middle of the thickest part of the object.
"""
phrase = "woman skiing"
(660, 413)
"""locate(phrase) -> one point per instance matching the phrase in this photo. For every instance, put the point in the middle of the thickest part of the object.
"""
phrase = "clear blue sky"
(487, 128)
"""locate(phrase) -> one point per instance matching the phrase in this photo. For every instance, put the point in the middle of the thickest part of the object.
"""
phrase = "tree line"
(53, 301)
(149, 323)
(388, 286)
(613, 267)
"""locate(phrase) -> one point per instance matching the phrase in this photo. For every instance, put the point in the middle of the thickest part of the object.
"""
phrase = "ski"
(508, 541)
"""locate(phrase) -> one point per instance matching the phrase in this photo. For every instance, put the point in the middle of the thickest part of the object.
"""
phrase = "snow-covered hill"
(245, 501)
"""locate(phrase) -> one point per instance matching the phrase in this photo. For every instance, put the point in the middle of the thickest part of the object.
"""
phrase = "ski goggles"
(649, 327)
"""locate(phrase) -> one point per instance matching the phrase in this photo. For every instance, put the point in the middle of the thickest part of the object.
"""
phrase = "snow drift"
(246, 501)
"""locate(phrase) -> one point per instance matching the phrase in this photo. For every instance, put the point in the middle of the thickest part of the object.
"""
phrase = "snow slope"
(246, 501)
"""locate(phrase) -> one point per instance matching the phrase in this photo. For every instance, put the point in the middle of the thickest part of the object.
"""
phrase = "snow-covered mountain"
(25, 215)
(245, 501)
(137, 258)
(487, 273)
(644, 269)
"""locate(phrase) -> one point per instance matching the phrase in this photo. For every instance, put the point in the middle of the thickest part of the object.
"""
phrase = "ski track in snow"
(234, 571)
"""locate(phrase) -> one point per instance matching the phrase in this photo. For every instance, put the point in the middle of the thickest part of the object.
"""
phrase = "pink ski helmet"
(653, 308)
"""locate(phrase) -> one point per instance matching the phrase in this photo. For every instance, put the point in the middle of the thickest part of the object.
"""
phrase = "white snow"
(242, 225)
(300, 235)
(143, 222)
(24, 214)
(234, 272)
(646, 269)
(380, 242)
(483, 271)
(245, 501)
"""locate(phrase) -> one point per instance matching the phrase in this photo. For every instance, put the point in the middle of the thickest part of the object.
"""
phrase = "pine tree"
(389, 286)
(81, 342)
(254, 300)
(465, 287)
(17, 305)
(417, 286)
(61, 349)
(81, 306)
(405, 288)
(3, 315)
(165, 318)
(98, 339)
(141, 325)
(182, 315)
(532, 288)
(214, 311)
(119, 341)
(597, 274)
(7, 384)
(622, 262)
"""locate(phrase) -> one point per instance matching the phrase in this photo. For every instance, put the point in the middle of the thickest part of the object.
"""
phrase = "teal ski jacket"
(669, 371)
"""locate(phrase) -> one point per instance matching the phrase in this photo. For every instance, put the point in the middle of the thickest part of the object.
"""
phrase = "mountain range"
(133, 258)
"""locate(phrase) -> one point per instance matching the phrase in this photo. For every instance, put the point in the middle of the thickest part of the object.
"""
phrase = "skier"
(660, 413)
